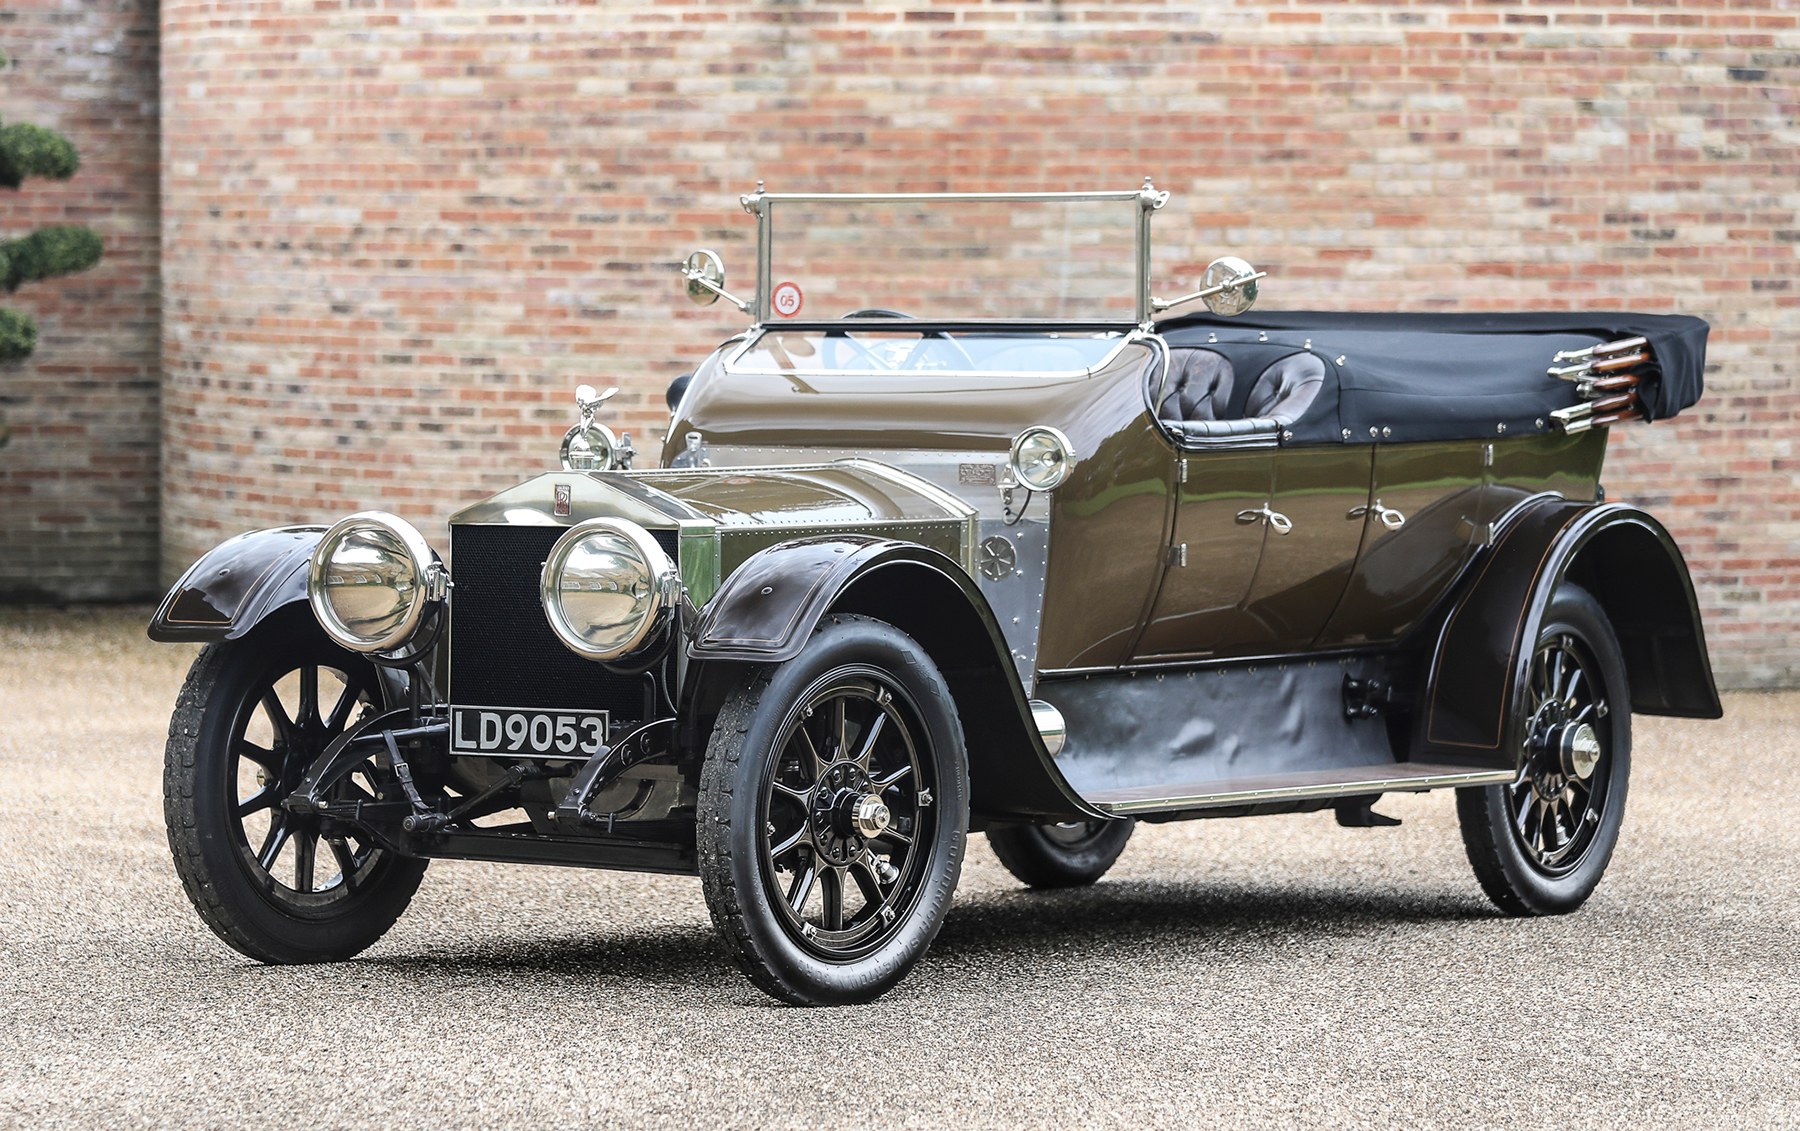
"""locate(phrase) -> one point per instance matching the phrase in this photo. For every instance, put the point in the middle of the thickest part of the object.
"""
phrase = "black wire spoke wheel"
(833, 812)
(847, 801)
(276, 737)
(1561, 793)
(1541, 844)
(253, 717)
(1060, 855)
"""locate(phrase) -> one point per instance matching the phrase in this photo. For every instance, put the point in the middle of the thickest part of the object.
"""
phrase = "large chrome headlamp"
(373, 578)
(604, 585)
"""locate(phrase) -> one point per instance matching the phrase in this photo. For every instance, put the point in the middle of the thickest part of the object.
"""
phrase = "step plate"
(1393, 778)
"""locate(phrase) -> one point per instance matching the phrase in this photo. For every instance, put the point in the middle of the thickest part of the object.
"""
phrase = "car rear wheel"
(1540, 845)
(832, 816)
(1068, 854)
(279, 887)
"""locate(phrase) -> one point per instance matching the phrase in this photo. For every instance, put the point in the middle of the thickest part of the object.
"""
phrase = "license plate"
(500, 732)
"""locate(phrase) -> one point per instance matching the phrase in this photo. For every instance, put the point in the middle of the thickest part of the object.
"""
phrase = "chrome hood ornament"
(590, 445)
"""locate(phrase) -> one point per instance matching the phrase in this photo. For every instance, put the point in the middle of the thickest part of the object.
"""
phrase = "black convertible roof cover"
(1452, 376)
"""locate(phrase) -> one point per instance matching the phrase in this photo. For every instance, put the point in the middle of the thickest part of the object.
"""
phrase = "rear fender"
(236, 585)
(1482, 660)
(771, 605)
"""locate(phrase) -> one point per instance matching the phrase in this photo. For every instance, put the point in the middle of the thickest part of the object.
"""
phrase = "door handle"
(1387, 516)
(1278, 522)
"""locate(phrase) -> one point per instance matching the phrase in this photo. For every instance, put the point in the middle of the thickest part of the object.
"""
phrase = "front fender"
(236, 585)
(1482, 661)
(769, 607)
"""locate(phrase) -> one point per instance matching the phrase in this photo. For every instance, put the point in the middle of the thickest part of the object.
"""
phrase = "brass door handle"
(1387, 516)
(1278, 522)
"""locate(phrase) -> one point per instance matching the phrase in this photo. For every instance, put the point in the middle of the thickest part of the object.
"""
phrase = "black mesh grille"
(502, 652)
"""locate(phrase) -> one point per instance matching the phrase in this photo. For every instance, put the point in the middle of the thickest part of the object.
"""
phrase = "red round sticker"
(786, 299)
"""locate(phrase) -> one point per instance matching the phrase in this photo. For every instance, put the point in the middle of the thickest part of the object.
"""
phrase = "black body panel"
(237, 584)
(1481, 661)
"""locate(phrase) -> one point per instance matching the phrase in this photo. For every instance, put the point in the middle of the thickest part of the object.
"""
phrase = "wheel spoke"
(798, 838)
(868, 883)
(832, 885)
(267, 759)
(261, 799)
(785, 790)
(1574, 685)
(894, 834)
(802, 887)
(869, 740)
(306, 847)
(340, 713)
(346, 861)
(812, 753)
(279, 831)
(285, 731)
(841, 714)
(888, 781)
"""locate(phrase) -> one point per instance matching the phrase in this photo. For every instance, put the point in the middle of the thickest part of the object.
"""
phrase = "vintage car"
(945, 559)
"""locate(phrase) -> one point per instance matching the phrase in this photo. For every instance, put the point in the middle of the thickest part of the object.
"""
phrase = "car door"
(1422, 524)
(1314, 522)
(1199, 610)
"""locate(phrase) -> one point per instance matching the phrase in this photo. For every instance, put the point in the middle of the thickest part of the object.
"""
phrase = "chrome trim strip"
(1298, 792)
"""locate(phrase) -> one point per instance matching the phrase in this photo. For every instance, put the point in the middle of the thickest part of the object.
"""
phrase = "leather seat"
(1284, 390)
(1200, 383)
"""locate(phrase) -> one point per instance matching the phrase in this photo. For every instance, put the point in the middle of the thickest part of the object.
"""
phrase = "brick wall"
(396, 236)
(78, 482)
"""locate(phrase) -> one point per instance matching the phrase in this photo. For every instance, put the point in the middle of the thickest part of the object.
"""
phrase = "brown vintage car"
(1040, 565)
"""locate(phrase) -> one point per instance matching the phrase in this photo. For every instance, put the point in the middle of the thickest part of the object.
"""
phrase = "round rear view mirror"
(1232, 283)
(705, 275)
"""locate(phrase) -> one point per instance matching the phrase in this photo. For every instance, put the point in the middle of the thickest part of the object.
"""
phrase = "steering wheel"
(830, 357)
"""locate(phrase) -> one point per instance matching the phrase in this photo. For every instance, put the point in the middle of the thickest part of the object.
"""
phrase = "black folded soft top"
(1402, 377)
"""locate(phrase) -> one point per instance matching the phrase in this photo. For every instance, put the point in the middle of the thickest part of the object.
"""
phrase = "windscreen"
(875, 349)
(954, 259)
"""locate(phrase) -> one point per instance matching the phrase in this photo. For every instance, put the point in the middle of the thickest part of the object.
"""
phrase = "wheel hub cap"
(869, 816)
(847, 813)
(1579, 748)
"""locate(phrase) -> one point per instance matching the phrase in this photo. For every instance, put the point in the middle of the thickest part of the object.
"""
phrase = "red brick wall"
(396, 236)
(78, 482)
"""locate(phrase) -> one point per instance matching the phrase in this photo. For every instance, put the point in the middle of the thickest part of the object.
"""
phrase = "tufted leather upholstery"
(1284, 390)
(1200, 383)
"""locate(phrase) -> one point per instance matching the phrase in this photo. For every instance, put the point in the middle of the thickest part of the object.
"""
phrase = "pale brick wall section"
(78, 482)
(395, 238)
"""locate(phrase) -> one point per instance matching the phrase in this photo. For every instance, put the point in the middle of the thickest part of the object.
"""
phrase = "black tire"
(1540, 845)
(861, 713)
(259, 876)
(1071, 854)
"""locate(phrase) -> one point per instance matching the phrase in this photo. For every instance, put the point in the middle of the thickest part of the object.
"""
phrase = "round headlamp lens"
(368, 585)
(1041, 458)
(603, 586)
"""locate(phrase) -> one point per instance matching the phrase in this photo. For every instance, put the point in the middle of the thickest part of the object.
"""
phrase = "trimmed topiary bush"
(33, 151)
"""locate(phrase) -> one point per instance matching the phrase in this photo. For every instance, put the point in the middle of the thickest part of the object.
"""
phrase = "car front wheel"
(1540, 845)
(832, 815)
(279, 887)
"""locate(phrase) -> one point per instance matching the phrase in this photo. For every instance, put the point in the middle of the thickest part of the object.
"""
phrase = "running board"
(1398, 777)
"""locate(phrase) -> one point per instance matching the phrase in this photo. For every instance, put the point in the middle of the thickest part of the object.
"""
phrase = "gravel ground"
(1278, 970)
